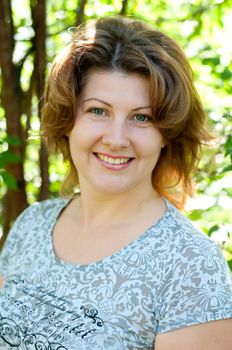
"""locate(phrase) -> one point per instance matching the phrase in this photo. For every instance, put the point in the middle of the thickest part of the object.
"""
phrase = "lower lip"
(113, 166)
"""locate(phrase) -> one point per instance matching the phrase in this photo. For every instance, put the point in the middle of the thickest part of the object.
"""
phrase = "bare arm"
(1, 281)
(214, 335)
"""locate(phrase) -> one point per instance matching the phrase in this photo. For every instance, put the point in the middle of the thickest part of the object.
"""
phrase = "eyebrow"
(108, 104)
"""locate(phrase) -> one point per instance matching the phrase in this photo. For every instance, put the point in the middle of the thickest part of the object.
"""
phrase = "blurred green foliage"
(203, 29)
(8, 157)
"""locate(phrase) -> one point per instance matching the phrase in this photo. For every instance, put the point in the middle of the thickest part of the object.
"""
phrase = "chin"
(112, 188)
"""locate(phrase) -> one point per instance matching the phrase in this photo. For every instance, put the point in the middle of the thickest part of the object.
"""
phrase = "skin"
(1, 281)
(215, 335)
(115, 132)
(113, 119)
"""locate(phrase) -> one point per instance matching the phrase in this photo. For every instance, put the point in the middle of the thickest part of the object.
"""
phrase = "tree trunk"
(124, 7)
(80, 12)
(11, 98)
(38, 12)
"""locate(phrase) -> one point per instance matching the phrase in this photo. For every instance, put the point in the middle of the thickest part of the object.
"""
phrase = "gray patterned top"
(171, 277)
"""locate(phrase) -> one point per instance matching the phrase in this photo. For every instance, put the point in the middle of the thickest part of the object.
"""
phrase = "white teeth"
(115, 161)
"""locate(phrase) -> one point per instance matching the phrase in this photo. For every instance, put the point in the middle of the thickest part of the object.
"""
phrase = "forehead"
(113, 85)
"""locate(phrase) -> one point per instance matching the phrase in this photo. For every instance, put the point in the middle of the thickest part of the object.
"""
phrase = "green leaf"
(9, 157)
(230, 264)
(9, 180)
(213, 229)
(228, 146)
(196, 214)
(227, 168)
(13, 140)
(226, 74)
(213, 61)
(2, 162)
(228, 247)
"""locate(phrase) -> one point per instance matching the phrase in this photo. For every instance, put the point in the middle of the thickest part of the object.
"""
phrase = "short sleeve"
(198, 287)
(13, 245)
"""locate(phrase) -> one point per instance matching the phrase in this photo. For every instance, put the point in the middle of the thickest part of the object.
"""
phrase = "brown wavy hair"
(131, 46)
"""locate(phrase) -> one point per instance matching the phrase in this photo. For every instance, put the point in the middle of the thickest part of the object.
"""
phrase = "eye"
(97, 111)
(142, 118)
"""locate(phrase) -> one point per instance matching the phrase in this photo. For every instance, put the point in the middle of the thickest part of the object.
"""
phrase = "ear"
(164, 143)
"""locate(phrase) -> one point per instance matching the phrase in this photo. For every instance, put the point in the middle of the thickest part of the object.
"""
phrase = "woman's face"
(114, 144)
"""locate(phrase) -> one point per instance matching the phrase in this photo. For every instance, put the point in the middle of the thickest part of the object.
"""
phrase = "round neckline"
(119, 253)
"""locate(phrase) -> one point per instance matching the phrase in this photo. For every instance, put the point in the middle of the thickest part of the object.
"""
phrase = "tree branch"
(23, 59)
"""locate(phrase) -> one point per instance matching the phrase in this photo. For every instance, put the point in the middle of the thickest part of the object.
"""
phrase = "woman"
(117, 266)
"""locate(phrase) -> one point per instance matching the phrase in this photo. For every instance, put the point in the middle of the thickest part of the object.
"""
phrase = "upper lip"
(114, 156)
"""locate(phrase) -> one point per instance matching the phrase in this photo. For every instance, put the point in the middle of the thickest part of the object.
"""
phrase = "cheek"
(83, 139)
(149, 144)
(77, 135)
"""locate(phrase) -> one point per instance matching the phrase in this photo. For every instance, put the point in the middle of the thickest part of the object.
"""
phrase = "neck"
(97, 209)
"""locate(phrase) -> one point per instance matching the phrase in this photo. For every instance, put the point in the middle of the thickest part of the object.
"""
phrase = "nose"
(116, 136)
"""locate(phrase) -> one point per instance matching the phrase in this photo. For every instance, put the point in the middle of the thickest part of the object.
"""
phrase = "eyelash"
(147, 117)
(93, 110)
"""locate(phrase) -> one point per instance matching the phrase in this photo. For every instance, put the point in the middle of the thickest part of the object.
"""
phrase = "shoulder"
(50, 205)
(182, 231)
(37, 210)
(176, 244)
(197, 282)
(29, 226)
(36, 215)
(189, 247)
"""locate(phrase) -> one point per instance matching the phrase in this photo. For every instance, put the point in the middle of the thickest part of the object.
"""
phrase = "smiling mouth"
(113, 161)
